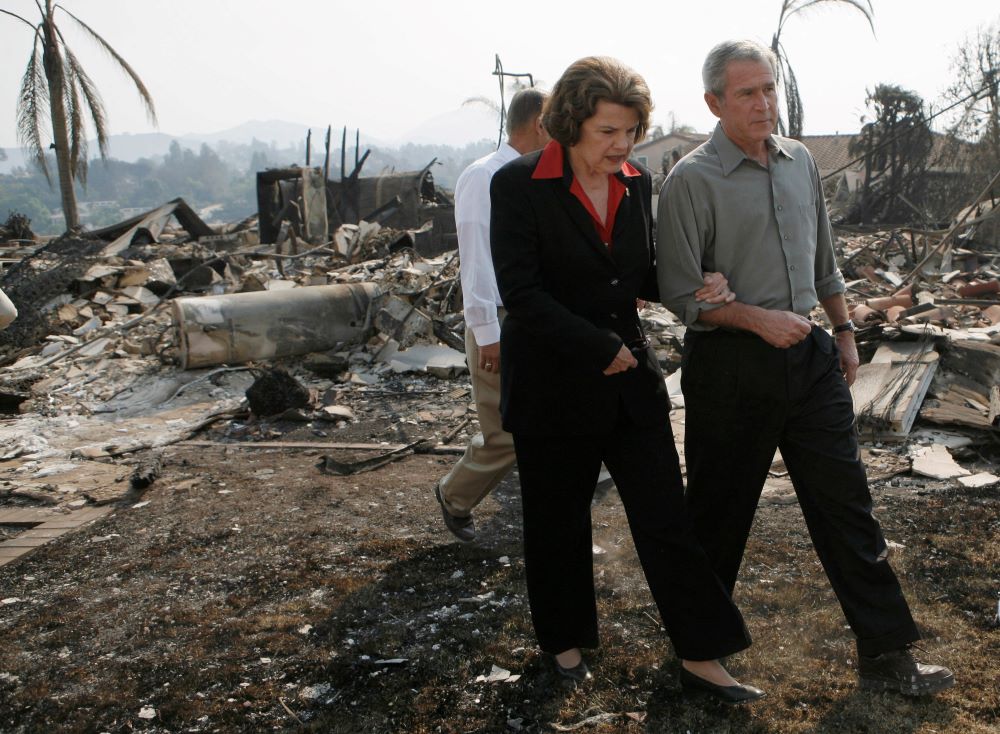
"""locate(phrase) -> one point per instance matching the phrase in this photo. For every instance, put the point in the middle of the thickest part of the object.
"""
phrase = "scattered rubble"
(142, 334)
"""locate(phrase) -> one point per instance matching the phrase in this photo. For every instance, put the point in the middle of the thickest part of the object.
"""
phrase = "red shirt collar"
(551, 163)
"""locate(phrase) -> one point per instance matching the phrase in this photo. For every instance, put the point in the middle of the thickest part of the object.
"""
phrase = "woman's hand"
(715, 290)
(624, 360)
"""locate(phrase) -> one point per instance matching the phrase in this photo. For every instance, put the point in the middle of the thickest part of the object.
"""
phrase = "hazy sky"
(387, 65)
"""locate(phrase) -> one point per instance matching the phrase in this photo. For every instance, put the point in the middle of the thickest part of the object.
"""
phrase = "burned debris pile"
(351, 332)
(141, 334)
(927, 310)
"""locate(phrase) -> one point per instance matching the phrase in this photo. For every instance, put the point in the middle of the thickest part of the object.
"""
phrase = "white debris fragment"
(305, 629)
(478, 598)
(975, 481)
(497, 674)
(936, 462)
(137, 505)
(9, 600)
(147, 712)
(458, 574)
(339, 411)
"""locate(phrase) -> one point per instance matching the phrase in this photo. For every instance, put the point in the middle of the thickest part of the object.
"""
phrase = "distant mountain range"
(466, 124)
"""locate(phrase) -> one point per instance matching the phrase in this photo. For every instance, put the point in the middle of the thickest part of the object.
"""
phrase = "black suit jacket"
(570, 304)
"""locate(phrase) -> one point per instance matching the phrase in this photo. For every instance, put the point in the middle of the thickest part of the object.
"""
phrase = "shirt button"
(786, 236)
(779, 207)
(791, 267)
(614, 281)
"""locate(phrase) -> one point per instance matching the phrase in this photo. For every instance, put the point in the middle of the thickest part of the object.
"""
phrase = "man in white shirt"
(490, 455)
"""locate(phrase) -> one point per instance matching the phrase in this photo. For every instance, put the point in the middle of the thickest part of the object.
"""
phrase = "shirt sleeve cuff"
(486, 333)
(691, 310)
(830, 285)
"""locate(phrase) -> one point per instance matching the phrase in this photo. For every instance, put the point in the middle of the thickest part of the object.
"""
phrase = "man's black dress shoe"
(897, 670)
(726, 694)
(579, 672)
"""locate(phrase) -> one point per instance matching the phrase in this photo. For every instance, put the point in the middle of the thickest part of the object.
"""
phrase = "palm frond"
(77, 130)
(862, 6)
(93, 99)
(486, 101)
(15, 15)
(32, 107)
(144, 94)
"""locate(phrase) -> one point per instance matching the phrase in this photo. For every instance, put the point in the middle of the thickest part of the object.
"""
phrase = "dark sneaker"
(463, 528)
(896, 670)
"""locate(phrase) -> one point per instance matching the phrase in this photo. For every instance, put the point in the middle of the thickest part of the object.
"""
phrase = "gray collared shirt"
(765, 229)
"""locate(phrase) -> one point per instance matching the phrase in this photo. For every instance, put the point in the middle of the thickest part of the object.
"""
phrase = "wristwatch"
(846, 326)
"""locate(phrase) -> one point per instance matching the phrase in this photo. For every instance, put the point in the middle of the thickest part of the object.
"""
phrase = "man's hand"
(715, 290)
(624, 360)
(489, 357)
(782, 329)
(848, 356)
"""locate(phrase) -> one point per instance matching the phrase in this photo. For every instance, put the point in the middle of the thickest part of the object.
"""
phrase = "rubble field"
(216, 505)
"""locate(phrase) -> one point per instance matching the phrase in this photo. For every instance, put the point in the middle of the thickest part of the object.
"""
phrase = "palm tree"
(54, 82)
(786, 77)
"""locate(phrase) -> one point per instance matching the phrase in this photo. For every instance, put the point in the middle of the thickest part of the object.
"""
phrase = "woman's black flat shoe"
(726, 694)
(579, 672)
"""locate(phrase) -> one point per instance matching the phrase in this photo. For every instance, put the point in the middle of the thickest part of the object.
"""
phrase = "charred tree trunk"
(54, 74)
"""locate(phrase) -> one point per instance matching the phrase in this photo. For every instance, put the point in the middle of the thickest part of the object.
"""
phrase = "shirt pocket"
(807, 216)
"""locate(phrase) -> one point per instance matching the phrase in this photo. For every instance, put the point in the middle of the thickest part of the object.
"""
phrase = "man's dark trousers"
(743, 399)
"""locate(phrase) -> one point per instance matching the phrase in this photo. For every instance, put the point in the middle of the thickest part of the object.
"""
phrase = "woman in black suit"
(571, 237)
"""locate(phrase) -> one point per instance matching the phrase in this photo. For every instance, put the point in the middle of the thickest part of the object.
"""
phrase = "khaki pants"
(490, 454)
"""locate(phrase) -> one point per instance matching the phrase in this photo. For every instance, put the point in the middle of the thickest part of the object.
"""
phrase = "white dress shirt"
(480, 295)
(8, 312)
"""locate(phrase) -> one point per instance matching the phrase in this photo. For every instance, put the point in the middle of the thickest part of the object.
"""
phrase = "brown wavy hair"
(586, 82)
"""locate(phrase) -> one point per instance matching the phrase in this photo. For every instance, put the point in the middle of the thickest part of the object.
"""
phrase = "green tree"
(54, 82)
(786, 76)
(896, 146)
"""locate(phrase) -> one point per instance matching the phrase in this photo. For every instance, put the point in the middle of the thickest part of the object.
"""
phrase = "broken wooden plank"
(437, 449)
(889, 391)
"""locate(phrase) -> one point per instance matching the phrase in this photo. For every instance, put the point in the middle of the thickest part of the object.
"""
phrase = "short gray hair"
(713, 72)
(525, 106)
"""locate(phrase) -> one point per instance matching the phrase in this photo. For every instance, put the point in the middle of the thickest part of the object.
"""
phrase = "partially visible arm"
(836, 310)
(780, 329)
(680, 252)
(830, 284)
(472, 220)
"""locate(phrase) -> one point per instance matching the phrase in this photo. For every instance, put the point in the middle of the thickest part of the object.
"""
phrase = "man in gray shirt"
(759, 375)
